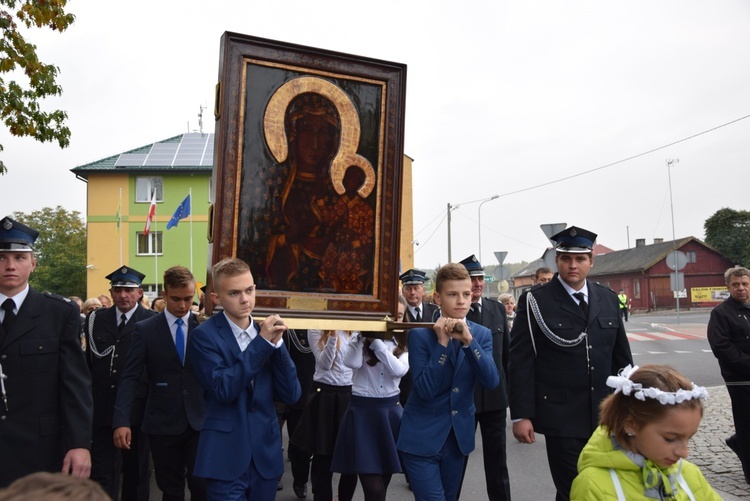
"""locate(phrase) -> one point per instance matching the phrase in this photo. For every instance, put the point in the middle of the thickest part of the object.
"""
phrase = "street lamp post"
(452, 207)
(671, 161)
(479, 222)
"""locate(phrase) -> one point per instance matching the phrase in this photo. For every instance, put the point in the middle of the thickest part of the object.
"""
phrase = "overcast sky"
(501, 96)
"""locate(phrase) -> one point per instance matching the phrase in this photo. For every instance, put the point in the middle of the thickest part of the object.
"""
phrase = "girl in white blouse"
(366, 443)
(328, 400)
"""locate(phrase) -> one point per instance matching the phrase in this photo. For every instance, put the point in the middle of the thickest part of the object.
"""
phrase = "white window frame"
(145, 186)
(155, 243)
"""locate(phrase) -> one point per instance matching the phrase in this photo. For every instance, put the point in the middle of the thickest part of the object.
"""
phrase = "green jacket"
(594, 481)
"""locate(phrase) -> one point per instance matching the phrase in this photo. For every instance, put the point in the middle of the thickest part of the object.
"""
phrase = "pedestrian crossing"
(657, 336)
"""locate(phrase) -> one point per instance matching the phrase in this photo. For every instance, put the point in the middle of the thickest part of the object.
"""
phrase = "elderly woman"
(91, 304)
(509, 302)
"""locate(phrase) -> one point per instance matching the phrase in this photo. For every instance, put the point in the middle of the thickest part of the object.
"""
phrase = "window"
(150, 245)
(145, 186)
(637, 288)
(690, 256)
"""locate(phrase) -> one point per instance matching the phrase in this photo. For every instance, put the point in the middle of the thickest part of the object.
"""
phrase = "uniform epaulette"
(58, 297)
(607, 287)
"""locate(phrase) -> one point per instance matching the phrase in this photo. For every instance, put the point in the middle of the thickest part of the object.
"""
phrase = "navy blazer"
(560, 388)
(241, 423)
(175, 399)
(442, 394)
(48, 387)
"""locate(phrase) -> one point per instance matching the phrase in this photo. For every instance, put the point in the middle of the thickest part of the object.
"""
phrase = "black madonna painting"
(307, 178)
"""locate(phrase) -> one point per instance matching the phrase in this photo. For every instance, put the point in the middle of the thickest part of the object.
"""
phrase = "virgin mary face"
(314, 140)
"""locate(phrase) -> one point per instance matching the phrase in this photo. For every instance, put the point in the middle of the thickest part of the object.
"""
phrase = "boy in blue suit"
(243, 366)
(437, 428)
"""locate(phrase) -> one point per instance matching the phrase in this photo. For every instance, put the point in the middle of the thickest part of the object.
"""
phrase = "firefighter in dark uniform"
(109, 333)
(45, 387)
(412, 288)
(558, 370)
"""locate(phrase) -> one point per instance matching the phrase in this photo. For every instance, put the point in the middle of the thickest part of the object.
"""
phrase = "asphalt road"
(655, 338)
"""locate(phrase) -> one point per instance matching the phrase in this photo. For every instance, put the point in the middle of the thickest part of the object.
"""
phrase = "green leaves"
(20, 109)
(728, 230)
(60, 250)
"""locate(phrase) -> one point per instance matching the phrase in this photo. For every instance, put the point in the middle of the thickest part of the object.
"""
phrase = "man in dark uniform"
(558, 370)
(46, 409)
(729, 336)
(412, 288)
(109, 333)
(176, 404)
(491, 404)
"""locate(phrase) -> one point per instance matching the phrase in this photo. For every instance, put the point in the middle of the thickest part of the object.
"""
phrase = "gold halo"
(275, 133)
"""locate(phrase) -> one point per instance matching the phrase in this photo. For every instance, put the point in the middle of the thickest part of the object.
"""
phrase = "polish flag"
(151, 212)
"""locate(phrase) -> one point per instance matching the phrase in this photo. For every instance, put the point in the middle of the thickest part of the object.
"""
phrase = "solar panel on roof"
(130, 160)
(192, 149)
(161, 154)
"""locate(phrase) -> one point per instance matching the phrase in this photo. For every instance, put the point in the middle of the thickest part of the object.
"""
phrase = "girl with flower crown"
(638, 451)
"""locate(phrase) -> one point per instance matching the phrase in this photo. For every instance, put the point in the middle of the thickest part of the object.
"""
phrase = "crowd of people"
(204, 399)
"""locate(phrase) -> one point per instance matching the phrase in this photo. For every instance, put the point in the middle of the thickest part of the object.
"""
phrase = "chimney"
(640, 242)
(658, 241)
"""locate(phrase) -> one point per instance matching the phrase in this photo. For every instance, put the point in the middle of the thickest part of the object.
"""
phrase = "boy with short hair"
(437, 428)
(242, 365)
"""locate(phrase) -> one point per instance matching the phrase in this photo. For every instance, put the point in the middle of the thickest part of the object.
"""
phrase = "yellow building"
(119, 194)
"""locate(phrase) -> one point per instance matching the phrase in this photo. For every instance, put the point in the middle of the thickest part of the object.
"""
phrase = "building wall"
(407, 219)
(105, 240)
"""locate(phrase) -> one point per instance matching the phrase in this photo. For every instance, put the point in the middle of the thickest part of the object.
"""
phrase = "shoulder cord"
(109, 351)
(621, 495)
(562, 342)
(297, 345)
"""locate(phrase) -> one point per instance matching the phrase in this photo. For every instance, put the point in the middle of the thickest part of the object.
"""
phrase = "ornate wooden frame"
(253, 174)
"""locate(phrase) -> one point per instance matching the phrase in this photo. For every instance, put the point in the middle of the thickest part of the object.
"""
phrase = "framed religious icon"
(307, 179)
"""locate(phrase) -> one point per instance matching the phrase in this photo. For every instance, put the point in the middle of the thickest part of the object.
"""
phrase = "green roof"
(193, 151)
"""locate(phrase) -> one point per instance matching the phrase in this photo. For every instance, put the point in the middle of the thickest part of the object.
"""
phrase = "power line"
(623, 160)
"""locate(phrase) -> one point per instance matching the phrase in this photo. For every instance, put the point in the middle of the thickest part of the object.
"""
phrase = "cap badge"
(573, 233)
(123, 270)
(7, 225)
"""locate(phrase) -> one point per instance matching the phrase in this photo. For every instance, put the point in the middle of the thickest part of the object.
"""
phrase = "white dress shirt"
(380, 380)
(329, 358)
(18, 299)
(245, 336)
(172, 322)
(570, 290)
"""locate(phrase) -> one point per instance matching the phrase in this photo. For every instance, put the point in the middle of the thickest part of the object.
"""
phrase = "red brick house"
(644, 275)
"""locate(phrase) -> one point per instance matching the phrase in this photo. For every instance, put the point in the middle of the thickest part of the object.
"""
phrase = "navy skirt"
(366, 441)
(319, 424)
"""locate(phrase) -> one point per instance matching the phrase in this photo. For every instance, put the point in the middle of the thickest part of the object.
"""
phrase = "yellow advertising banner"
(708, 294)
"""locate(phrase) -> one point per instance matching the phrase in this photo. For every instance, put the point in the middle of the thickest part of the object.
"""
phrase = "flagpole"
(119, 225)
(156, 252)
(190, 194)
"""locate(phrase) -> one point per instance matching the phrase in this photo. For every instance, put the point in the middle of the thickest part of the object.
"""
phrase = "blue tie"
(179, 341)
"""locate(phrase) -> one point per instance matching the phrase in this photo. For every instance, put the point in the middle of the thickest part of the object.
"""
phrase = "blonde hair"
(45, 486)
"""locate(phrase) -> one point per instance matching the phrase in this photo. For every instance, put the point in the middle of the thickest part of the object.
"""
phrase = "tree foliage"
(19, 101)
(728, 230)
(60, 250)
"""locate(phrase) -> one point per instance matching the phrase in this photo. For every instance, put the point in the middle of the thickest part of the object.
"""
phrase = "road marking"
(659, 336)
(657, 352)
(682, 351)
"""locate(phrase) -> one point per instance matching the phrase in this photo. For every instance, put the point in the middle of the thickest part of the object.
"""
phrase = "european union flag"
(182, 212)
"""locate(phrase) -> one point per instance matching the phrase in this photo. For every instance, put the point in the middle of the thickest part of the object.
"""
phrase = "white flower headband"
(622, 383)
